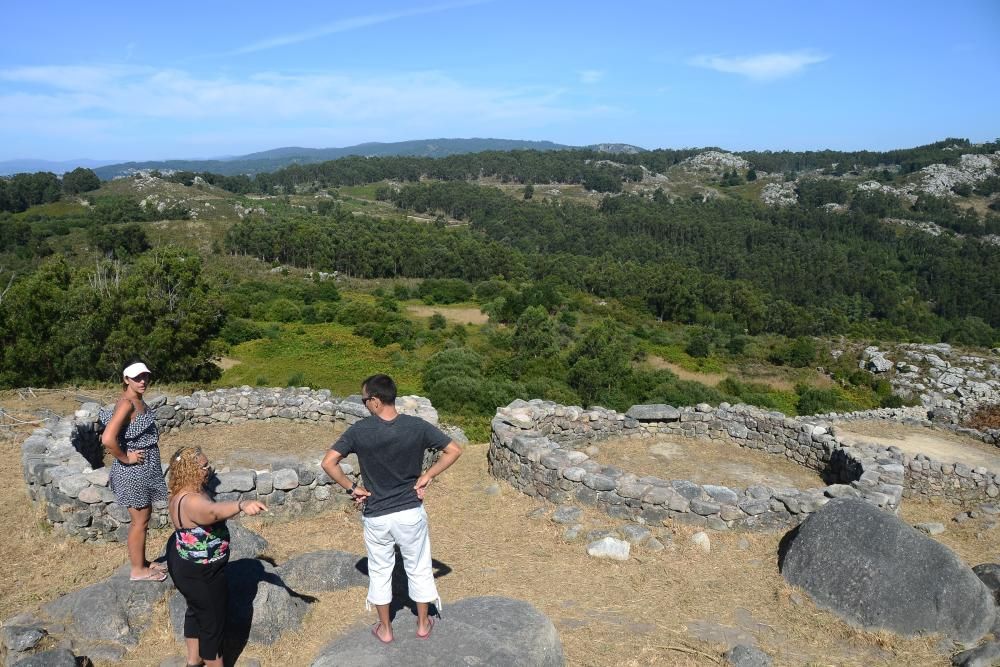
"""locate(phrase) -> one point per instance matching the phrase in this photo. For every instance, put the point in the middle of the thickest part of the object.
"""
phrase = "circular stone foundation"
(936, 444)
(723, 467)
(705, 461)
(266, 443)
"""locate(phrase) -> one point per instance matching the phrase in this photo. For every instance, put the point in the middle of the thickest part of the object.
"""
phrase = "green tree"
(535, 334)
(80, 180)
(120, 241)
(599, 364)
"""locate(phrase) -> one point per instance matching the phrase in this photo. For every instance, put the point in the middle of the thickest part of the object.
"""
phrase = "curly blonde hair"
(185, 470)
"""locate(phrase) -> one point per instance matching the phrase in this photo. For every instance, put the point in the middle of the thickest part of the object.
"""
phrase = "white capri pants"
(408, 529)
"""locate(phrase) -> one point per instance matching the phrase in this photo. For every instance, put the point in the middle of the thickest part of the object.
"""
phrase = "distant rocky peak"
(716, 160)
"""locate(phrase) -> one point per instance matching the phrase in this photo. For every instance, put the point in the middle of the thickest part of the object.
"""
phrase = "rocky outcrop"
(105, 620)
(877, 572)
(779, 194)
(939, 179)
(945, 381)
(715, 160)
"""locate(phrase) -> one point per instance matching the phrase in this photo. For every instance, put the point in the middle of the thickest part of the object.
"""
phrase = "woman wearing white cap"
(131, 436)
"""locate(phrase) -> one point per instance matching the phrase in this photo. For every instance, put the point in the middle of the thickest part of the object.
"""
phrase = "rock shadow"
(784, 544)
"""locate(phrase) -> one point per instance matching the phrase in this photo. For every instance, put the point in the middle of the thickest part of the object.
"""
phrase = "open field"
(320, 355)
(455, 315)
(677, 607)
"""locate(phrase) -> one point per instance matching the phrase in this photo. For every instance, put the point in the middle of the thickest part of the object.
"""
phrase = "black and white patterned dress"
(138, 484)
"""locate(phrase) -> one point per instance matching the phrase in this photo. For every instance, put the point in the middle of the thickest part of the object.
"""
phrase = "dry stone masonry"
(536, 446)
(64, 471)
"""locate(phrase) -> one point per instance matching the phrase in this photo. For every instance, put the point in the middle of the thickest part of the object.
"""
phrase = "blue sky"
(114, 80)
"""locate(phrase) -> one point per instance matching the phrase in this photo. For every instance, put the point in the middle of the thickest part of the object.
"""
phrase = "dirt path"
(942, 446)
(660, 363)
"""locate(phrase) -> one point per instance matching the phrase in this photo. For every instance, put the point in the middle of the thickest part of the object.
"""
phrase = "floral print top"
(202, 544)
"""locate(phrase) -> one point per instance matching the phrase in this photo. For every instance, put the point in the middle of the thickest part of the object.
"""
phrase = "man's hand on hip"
(421, 486)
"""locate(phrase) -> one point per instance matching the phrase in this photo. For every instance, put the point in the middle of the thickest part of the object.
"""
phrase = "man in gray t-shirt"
(390, 448)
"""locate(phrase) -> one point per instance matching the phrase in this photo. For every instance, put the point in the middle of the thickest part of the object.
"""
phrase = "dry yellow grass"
(646, 611)
(705, 461)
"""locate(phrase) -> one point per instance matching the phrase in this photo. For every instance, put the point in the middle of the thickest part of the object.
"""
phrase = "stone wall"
(928, 478)
(535, 446)
(63, 468)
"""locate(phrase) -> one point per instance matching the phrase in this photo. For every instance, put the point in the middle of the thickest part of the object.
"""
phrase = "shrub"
(283, 310)
(356, 312)
(798, 353)
(813, 400)
(239, 330)
(444, 290)
(985, 417)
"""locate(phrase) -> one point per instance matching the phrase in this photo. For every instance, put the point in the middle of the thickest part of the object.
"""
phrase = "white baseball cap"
(135, 370)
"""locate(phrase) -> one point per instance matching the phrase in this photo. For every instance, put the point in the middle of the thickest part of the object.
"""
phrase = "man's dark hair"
(381, 387)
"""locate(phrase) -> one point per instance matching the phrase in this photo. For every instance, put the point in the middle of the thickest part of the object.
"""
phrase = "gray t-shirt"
(391, 454)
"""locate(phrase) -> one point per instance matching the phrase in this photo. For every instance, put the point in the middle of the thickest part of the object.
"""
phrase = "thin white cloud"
(127, 98)
(348, 24)
(591, 76)
(761, 67)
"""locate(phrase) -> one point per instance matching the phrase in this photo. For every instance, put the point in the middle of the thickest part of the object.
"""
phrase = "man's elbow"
(330, 462)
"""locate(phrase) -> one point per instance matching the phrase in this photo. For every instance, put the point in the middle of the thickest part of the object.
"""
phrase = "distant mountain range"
(8, 167)
(277, 158)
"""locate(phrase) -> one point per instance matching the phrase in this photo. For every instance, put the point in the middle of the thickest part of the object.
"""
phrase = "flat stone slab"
(474, 631)
(654, 412)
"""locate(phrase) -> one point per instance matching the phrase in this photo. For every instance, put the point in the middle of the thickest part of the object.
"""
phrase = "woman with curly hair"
(131, 436)
(198, 552)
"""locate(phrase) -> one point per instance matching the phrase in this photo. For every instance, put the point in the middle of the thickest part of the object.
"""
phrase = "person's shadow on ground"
(400, 585)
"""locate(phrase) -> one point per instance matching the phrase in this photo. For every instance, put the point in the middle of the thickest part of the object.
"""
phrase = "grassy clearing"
(59, 209)
(675, 354)
(321, 355)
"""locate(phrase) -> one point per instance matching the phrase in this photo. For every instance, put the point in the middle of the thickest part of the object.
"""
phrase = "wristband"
(350, 491)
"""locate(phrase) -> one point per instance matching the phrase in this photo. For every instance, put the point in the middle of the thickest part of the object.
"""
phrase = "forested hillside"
(599, 278)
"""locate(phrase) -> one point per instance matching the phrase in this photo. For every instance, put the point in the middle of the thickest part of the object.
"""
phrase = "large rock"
(243, 542)
(475, 631)
(60, 657)
(261, 606)
(115, 610)
(989, 574)
(875, 571)
(321, 571)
